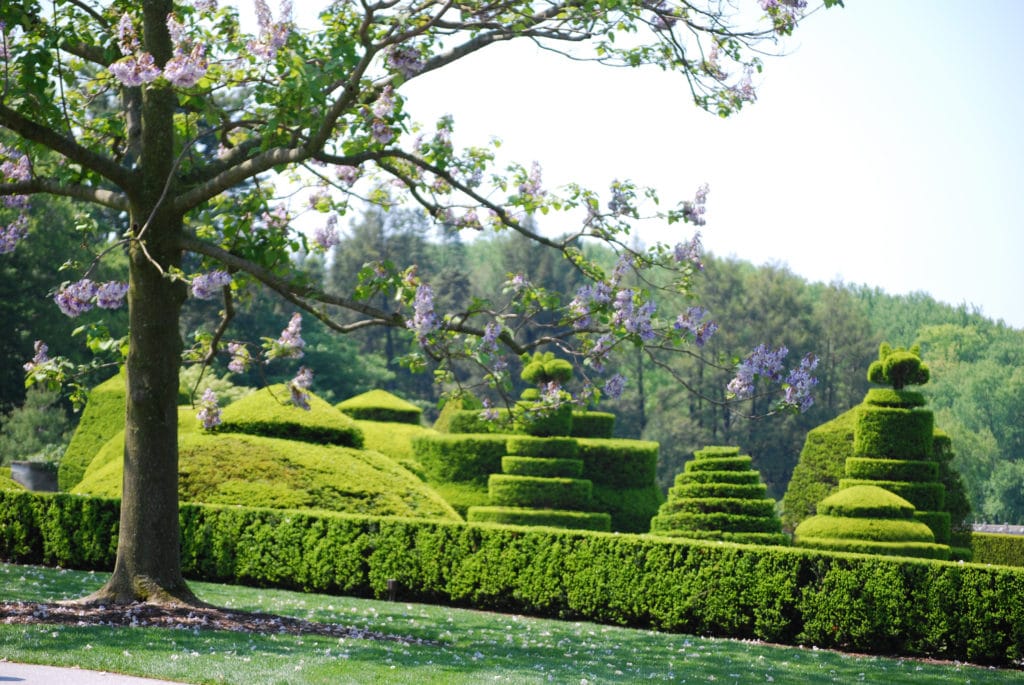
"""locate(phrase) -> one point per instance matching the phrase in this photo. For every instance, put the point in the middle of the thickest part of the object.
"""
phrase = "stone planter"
(35, 475)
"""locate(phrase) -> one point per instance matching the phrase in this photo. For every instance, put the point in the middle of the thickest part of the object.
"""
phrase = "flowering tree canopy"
(172, 115)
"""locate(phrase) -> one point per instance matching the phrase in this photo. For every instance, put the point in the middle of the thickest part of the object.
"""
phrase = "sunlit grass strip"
(472, 646)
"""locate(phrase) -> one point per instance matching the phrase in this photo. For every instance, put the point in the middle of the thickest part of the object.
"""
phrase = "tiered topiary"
(869, 520)
(894, 439)
(380, 405)
(720, 496)
(540, 486)
(545, 409)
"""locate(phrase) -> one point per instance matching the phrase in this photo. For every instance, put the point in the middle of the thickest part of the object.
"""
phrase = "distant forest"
(977, 365)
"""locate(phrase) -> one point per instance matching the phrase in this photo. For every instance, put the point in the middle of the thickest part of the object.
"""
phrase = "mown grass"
(463, 646)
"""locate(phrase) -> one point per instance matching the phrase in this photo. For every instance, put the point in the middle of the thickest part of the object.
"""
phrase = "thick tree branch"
(37, 133)
(100, 196)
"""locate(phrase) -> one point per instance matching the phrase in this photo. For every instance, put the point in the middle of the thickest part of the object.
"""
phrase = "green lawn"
(466, 646)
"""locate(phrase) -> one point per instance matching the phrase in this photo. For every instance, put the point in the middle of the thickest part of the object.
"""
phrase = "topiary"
(380, 405)
(898, 367)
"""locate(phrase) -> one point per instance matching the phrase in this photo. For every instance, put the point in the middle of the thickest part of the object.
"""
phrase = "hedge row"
(997, 548)
(785, 595)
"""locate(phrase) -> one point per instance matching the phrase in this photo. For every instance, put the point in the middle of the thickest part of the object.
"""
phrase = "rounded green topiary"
(892, 469)
(380, 405)
(889, 397)
(102, 419)
(544, 368)
(898, 367)
(270, 413)
(539, 493)
(593, 424)
(866, 501)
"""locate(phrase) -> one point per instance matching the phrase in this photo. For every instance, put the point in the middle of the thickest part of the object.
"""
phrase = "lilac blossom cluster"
(489, 413)
(635, 319)
(347, 174)
(17, 168)
(694, 211)
(531, 187)
(79, 297)
(290, 344)
(299, 386)
(587, 297)
(614, 386)
(42, 356)
(784, 13)
(382, 110)
(240, 358)
(272, 34)
(424, 319)
(13, 233)
(137, 67)
(691, 251)
(489, 340)
(769, 364)
(405, 59)
(207, 286)
(691, 321)
(209, 410)
(327, 236)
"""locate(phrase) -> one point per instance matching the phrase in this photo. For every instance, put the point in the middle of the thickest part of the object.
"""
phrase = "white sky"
(885, 149)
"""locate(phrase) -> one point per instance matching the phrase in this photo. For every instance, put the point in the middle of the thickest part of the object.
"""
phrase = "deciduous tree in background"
(168, 113)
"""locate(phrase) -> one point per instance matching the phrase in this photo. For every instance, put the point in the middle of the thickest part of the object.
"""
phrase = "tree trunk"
(148, 565)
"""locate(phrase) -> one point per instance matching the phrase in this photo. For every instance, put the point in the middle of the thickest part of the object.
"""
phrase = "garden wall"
(845, 601)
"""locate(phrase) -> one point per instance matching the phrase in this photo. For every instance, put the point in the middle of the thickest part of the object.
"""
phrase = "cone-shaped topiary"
(380, 405)
(539, 485)
(720, 496)
(870, 520)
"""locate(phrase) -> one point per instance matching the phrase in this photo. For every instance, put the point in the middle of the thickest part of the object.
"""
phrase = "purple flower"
(694, 211)
(587, 297)
(240, 358)
(110, 295)
(298, 387)
(347, 174)
(489, 341)
(381, 132)
(691, 252)
(691, 321)
(291, 344)
(13, 233)
(184, 70)
(327, 236)
(272, 35)
(209, 410)
(127, 39)
(384, 106)
(40, 358)
(489, 413)
(762, 362)
(76, 298)
(614, 386)
(208, 285)
(424, 320)
(531, 187)
(405, 59)
(135, 71)
(800, 382)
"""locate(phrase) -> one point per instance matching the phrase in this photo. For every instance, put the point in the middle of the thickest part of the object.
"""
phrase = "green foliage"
(539, 493)
(935, 609)
(924, 496)
(448, 458)
(997, 548)
(874, 529)
(102, 419)
(631, 509)
(394, 440)
(889, 397)
(456, 405)
(8, 483)
(898, 367)
(270, 413)
(38, 430)
(619, 463)
(593, 424)
(195, 379)
(536, 419)
(380, 405)
(541, 467)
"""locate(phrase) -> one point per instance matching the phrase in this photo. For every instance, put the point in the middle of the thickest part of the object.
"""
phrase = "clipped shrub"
(102, 419)
(541, 467)
(631, 509)
(890, 397)
(997, 548)
(924, 496)
(620, 463)
(530, 446)
(8, 483)
(269, 413)
(892, 469)
(465, 402)
(866, 501)
(380, 405)
(821, 464)
(534, 419)
(593, 424)
(539, 493)
(448, 458)
(713, 501)
(894, 433)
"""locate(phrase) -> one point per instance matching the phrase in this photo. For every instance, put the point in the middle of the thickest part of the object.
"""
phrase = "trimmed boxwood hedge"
(713, 521)
(887, 605)
(380, 405)
(998, 548)
(924, 496)
(452, 458)
(541, 467)
(756, 491)
(892, 469)
(530, 446)
(619, 463)
(741, 463)
(593, 424)
(554, 518)
(724, 505)
(873, 529)
(539, 493)
(886, 432)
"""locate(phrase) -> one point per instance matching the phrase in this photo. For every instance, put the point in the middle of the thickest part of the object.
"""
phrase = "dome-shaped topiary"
(898, 367)
(545, 368)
